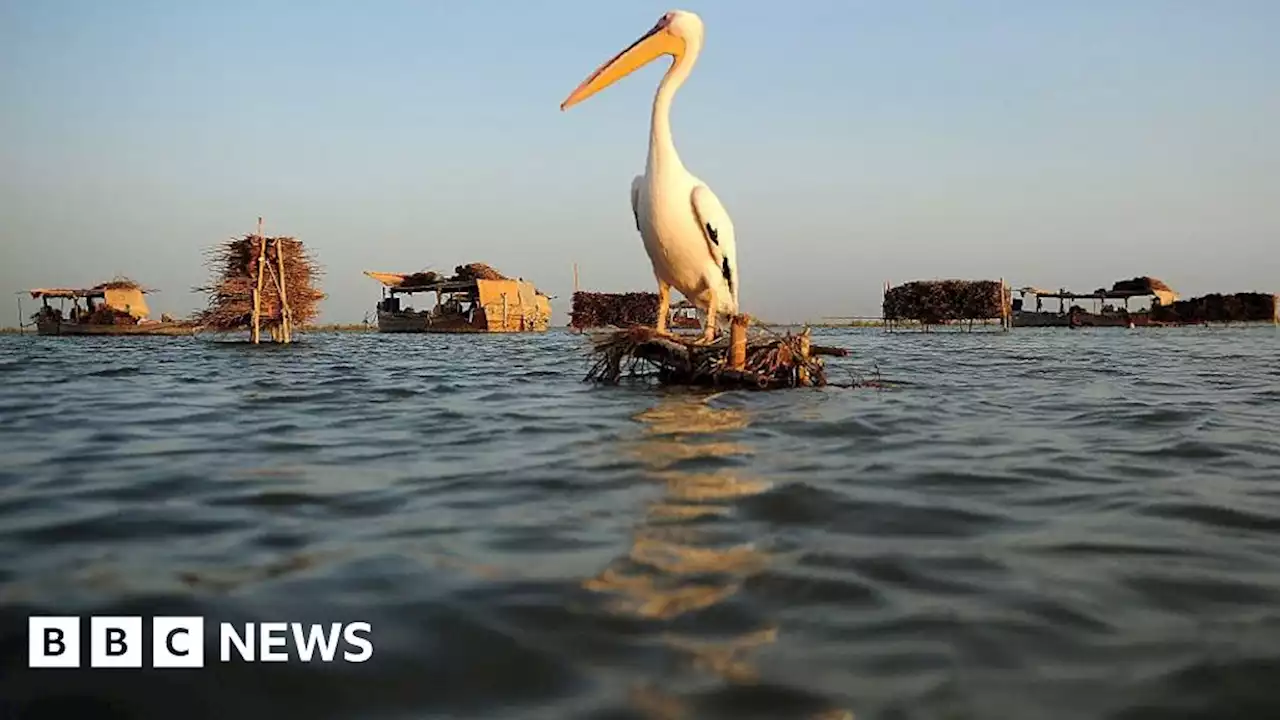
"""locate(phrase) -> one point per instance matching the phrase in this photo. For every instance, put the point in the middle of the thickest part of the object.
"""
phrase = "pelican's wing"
(635, 198)
(717, 228)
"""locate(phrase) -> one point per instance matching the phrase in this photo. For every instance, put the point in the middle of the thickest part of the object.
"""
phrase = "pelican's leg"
(664, 305)
(709, 329)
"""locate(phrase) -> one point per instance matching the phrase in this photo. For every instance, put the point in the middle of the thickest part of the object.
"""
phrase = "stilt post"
(738, 341)
(802, 369)
(884, 317)
(257, 290)
(286, 334)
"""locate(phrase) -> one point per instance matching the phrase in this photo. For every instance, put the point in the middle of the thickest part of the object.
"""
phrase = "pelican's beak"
(657, 42)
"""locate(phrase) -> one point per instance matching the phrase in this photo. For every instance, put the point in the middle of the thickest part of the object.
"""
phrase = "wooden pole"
(1006, 318)
(257, 290)
(575, 277)
(285, 312)
(802, 370)
(738, 341)
(884, 317)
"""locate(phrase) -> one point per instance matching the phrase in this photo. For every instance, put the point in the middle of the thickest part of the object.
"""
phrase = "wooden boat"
(111, 308)
(685, 315)
(56, 326)
(1069, 314)
(462, 305)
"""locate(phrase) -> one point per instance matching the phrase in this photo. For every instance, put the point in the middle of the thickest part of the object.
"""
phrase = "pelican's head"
(677, 33)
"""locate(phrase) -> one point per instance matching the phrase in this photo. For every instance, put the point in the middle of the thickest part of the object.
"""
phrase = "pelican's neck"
(662, 149)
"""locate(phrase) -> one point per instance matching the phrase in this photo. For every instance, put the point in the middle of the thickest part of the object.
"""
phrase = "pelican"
(686, 231)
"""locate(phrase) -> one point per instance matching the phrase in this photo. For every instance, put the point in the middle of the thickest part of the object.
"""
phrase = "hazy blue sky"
(1052, 143)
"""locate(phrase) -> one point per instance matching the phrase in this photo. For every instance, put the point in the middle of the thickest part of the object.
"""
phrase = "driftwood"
(765, 362)
(938, 301)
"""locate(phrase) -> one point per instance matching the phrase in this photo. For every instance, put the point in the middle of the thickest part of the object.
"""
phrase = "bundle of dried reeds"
(621, 310)
(937, 301)
(418, 279)
(120, 282)
(477, 271)
(1145, 285)
(1215, 307)
(288, 277)
(767, 361)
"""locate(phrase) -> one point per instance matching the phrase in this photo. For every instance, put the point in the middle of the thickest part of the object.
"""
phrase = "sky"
(1055, 144)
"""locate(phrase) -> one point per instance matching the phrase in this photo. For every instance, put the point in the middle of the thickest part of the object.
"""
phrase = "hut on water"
(261, 283)
(1101, 308)
(476, 299)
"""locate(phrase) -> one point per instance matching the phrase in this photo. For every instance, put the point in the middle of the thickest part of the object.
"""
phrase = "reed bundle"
(120, 282)
(420, 279)
(767, 361)
(938, 301)
(1140, 285)
(288, 276)
(1216, 307)
(621, 310)
(477, 271)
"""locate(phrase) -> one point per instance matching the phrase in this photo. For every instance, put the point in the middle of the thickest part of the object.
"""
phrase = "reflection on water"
(675, 566)
(680, 562)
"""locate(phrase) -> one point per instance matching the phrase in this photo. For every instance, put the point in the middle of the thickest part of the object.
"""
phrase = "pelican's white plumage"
(685, 229)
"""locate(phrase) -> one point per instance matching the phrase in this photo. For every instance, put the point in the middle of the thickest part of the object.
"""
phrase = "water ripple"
(1037, 524)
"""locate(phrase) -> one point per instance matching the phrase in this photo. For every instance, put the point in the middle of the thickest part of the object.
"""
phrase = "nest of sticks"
(939, 301)
(1215, 307)
(234, 265)
(621, 310)
(769, 361)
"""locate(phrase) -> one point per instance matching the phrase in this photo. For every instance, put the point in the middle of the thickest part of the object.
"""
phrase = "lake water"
(1038, 524)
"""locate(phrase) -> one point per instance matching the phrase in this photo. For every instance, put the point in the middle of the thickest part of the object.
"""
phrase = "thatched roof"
(421, 279)
(118, 283)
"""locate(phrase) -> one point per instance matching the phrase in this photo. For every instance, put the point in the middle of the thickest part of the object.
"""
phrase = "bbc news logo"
(178, 642)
